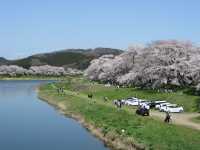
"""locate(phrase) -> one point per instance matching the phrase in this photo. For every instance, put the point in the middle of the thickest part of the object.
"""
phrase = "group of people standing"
(118, 103)
(60, 90)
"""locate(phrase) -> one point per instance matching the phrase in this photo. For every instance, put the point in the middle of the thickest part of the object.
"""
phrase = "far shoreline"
(32, 78)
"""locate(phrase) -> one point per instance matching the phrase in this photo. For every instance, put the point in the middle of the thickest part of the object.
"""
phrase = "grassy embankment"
(142, 131)
(196, 119)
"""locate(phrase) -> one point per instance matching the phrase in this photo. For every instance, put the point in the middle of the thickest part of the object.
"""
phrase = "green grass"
(197, 119)
(189, 102)
(150, 132)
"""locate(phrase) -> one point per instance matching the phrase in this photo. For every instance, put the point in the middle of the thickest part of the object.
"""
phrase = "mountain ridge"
(74, 58)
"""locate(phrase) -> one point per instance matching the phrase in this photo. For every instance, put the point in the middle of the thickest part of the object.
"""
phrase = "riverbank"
(111, 140)
(39, 77)
(33, 78)
(113, 125)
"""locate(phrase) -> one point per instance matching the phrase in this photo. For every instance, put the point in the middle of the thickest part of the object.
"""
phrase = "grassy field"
(196, 119)
(142, 131)
(189, 102)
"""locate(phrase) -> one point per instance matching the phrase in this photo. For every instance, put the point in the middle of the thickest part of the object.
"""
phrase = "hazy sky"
(34, 26)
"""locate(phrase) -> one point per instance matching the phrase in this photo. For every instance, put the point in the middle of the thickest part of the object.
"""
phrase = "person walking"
(168, 117)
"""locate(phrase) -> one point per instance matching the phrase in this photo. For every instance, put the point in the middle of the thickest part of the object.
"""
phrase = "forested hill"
(74, 58)
(3, 60)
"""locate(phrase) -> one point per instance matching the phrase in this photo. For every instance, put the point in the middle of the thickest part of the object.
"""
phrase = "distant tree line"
(45, 70)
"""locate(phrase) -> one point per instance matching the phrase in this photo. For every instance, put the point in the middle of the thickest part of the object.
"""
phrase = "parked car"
(143, 102)
(152, 104)
(160, 105)
(134, 102)
(164, 106)
(132, 98)
(131, 102)
(174, 109)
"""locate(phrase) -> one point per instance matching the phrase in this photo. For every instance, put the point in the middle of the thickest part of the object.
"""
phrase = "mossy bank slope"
(119, 128)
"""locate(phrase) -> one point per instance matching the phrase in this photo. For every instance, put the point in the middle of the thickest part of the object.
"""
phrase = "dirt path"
(180, 119)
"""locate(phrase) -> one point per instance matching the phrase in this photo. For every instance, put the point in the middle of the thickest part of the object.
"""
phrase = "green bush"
(198, 104)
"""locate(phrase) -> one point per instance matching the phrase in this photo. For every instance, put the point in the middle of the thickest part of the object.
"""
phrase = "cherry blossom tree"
(155, 65)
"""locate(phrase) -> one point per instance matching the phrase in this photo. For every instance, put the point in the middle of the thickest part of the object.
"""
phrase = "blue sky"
(35, 26)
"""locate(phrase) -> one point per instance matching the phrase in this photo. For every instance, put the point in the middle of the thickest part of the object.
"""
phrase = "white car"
(133, 102)
(143, 102)
(145, 105)
(164, 106)
(174, 109)
(161, 104)
(132, 98)
(158, 102)
(157, 106)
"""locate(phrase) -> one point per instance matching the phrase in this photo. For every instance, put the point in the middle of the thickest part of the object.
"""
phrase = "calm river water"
(27, 123)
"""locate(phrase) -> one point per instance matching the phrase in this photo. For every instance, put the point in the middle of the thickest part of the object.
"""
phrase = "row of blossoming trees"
(45, 70)
(161, 63)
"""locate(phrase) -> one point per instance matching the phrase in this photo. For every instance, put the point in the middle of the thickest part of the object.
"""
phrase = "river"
(27, 123)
